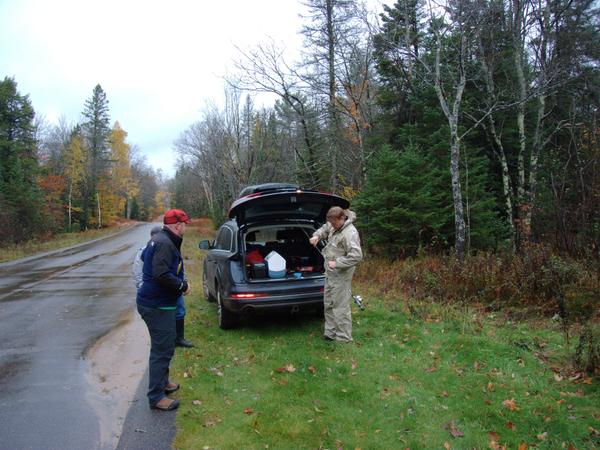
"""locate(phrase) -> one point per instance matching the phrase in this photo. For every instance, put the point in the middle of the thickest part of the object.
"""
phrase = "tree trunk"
(452, 116)
(70, 204)
(99, 211)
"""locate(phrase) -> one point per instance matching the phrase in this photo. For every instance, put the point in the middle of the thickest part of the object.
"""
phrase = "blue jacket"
(163, 279)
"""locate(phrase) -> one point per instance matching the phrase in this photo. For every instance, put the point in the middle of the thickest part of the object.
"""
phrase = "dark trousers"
(161, 326)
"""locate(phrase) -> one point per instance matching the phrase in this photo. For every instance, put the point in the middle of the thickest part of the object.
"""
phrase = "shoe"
(327, 338)
(171, 387)
(181, 342)
(165, 404)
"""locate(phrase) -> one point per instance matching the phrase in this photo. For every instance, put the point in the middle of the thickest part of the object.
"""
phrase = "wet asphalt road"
(53, 308)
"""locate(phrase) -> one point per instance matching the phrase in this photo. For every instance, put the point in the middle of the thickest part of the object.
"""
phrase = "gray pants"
(161, 326)
(337, 301)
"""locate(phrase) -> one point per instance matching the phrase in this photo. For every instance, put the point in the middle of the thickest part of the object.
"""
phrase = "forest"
(454, 128)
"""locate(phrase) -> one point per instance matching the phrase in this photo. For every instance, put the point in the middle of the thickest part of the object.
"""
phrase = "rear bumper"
(274, 303)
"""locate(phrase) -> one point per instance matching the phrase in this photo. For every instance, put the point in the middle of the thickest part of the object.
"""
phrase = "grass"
(28, 248)
(419, 378)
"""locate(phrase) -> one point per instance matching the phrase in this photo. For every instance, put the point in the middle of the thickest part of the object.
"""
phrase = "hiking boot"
(165, 404)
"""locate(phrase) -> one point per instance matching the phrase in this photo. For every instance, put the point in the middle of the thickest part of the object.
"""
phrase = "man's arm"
(318, 234)
(161, 269)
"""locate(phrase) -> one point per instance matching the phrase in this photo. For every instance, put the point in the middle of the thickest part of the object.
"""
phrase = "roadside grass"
(419, 378)
(28, 248)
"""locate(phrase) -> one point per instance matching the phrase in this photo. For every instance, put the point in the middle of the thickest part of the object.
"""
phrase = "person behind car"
(163, 282)
(342, 253)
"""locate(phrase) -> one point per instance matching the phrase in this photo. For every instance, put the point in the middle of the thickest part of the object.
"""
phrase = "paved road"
(52, 309)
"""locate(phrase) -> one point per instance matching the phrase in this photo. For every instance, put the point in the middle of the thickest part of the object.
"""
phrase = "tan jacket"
(343, 245)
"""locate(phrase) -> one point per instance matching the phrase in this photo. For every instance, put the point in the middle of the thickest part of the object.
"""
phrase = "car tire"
(226, 318)
(205, 289)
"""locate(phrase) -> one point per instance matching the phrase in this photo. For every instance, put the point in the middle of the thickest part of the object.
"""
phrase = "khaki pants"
(338, 293)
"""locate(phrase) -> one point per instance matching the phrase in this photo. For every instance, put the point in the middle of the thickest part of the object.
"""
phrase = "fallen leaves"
(542, 436)
(312, 369)
(211, 421)
(248, 411)
(494, 441)
(511, 404)
(216, 371)
(454, 431)
(289, 368)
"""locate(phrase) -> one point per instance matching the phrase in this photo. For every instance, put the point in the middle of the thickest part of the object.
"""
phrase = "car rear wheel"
(205, 290)
(227, 319)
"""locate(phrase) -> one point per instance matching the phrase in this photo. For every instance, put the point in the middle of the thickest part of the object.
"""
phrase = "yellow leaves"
(490, 386)
(511, 404)
(522, 446)
(312, 369)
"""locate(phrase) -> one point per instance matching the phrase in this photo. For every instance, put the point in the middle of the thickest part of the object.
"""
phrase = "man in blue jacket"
(163, 282)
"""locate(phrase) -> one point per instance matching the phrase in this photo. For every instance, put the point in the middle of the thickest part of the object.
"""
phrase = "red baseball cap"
(173, 216)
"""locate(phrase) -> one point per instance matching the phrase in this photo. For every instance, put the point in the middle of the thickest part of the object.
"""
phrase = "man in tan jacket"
(342, 252)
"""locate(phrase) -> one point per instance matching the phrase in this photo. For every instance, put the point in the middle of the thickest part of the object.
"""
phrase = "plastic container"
(275, 264)
(297, 275)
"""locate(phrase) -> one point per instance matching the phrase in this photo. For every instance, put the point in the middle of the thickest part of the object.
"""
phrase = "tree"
(20, 196)
(121, 186)
(74, 170)
(96, 132)
(329, 25)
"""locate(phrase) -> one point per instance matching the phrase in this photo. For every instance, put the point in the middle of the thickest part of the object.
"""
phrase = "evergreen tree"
(96, 130)
(405, 205)
(20, 196)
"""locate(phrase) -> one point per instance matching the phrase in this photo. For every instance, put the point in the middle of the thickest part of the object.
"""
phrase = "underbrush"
(535, 283)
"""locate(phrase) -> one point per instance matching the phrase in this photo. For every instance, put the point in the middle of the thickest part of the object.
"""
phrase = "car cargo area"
(300, 258)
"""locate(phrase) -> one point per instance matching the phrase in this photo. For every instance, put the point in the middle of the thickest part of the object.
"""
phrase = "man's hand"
(332, 264)
(314, 240)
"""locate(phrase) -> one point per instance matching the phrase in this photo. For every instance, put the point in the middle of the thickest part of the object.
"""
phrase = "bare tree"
(264, 69)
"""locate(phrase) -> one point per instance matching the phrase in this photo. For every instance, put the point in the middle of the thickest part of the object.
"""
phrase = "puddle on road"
(115, 366)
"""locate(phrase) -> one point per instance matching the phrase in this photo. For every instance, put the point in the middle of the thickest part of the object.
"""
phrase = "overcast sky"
(159, 62)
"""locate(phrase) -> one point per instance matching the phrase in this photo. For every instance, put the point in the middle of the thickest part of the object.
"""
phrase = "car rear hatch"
(291, 204)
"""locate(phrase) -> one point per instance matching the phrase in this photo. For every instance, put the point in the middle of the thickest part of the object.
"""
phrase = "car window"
(224, 239)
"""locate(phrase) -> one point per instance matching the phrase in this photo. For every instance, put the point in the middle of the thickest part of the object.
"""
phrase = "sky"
(160, 63)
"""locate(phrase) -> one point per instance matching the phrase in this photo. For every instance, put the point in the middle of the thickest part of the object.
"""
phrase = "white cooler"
(276, 265)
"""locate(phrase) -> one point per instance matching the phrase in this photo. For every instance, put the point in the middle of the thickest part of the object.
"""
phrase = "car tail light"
(247, 295)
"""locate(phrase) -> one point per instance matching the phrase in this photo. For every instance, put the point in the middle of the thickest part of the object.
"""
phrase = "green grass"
(408, 381)
(28, 248)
